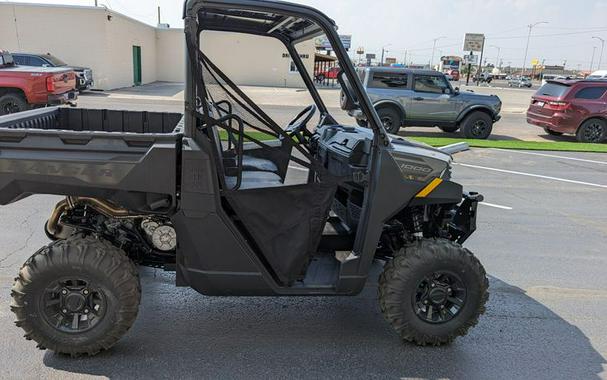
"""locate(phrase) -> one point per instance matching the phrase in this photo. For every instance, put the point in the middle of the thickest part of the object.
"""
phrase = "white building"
(124, 52)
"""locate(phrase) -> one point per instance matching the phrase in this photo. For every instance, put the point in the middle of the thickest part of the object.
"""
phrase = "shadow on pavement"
(180, 334)
(435, 132)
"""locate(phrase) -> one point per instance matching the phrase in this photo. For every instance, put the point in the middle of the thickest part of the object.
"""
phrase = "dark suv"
(569, 106)
(84, 75)
(411, 97)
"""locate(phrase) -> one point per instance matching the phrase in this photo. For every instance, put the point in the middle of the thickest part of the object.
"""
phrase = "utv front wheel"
(433, 291)
(76, 296)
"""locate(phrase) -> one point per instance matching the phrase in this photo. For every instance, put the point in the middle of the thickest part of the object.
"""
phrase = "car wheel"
(449, 129)
(12, 103)
(592, 131)
(390, 118)
(433, 291)
(477, 125)
(552, 133)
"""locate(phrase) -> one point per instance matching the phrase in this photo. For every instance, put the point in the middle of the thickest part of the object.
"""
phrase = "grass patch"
(564, 146)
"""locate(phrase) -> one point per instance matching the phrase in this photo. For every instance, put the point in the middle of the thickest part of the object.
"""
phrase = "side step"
(322, 272)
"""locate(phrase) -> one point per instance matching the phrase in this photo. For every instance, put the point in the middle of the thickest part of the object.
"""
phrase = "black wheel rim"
(594, 132)
(439, 297)
(9, 107)
(73, 305)
(387, 122)
(479, 128)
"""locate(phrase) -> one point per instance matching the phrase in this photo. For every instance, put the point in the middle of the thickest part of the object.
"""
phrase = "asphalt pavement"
(541, 236)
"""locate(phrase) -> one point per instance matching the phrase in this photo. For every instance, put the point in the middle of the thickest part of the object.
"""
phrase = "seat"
(254, 180)
(249, 163)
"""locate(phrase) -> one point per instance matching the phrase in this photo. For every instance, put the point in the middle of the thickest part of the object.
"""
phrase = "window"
(389, 80)
(35, 61)
(431, 83)
(22, 60)
(591, 93)
(553, 89)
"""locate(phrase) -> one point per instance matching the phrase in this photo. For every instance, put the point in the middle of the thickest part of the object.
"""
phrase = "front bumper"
(463, 223)
(69, 97)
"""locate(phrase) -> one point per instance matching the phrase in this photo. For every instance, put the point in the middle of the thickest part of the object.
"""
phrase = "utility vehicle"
(205, 196)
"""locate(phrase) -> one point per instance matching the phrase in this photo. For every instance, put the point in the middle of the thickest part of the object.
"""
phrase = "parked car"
(84, 74)
(576, 107)
(600, 74)
(330, 73)
(484, 78)
(411, 97)
(25, 87)
(519, 82)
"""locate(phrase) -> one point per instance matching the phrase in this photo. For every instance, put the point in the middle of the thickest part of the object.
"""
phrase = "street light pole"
(434, 48)
(497, 60)
(592, 60)
(601, 54)
(530, 26)
(383, 50)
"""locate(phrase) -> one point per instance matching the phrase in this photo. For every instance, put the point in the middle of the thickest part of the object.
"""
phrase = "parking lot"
(542, 235)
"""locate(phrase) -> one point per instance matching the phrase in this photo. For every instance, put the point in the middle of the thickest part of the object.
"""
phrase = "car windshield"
(553, 89)
(54, 60)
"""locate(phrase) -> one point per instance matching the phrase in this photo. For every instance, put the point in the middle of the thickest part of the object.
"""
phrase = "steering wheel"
(298, 124)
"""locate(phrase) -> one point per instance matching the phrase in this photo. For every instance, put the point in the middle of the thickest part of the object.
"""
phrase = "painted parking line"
(532, 175)
(551, 156)
(496, 206)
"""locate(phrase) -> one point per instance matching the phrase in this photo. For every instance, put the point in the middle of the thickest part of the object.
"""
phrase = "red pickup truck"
(25, 87)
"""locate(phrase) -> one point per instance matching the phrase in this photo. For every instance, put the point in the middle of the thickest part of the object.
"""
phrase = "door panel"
(136, 65)
(431, 100)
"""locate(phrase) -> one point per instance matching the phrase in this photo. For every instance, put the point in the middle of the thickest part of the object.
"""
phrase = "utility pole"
(405, 59)
(159, 15)
(434, 48)
(601, 54)
(564, 65)
(96, 3)
(592, 60)
(497, 60)
(530, 26)
(383, 50)
(480, 64)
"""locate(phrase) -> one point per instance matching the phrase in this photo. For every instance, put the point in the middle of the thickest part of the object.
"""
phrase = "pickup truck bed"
(130, 157)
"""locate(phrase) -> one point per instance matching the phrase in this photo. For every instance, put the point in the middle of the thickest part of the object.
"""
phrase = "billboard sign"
(470, 59)
(323, 42)
(474, 42)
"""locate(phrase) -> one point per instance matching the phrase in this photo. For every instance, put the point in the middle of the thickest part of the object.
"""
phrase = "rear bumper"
(463, 223)
(558, 122)
(66, 98)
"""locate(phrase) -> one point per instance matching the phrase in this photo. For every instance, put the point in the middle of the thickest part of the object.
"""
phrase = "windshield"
(553, 89)
(54, 60)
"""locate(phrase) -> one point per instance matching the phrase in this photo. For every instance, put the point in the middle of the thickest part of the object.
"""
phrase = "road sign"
(474, 42)
(323, 42)
(370, 56)
(470, 59)
(390, 61)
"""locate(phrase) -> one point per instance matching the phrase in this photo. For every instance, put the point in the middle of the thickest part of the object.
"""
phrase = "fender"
(391, 103)
(476, 107)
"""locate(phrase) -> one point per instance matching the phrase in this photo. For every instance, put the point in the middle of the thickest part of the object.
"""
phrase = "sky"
(412, 26)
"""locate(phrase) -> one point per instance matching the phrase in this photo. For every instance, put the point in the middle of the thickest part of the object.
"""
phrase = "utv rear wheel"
(477, 125)
(76, 296)
(592, 131)
(449, 129)
(12, 103)
(390, 118)
(433, 291)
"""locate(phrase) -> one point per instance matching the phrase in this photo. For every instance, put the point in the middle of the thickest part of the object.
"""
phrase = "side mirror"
(456, 91)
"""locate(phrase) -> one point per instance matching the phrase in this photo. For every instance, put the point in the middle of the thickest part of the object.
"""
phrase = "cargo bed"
(130, 157)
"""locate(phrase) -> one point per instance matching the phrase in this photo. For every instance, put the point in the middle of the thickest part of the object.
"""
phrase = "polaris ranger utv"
(206, 197)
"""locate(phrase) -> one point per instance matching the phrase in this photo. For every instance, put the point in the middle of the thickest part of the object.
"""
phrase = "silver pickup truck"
(425, 98)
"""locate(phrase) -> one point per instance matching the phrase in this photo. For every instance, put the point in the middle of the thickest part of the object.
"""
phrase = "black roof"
(294, 22)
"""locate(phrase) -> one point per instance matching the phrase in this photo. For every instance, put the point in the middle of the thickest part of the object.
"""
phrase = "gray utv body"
(241, 230)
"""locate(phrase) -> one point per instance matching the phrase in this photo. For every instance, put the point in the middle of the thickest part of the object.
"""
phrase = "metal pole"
(530, 26)
(602, 48)
(469, 68)
(480, 64)
(433, 48)
(159, 15)
(382, 57)
(592, 60)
